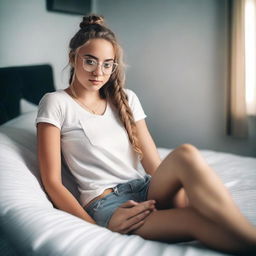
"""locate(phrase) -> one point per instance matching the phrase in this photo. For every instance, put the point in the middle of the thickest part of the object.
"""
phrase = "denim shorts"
(102, 209)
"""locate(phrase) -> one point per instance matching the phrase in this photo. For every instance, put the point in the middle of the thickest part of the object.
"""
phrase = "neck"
(84, 95)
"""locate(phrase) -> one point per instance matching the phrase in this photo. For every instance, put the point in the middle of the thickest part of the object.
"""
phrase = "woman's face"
(92, 52)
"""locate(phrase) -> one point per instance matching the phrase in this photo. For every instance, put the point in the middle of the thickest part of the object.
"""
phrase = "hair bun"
(92, 19)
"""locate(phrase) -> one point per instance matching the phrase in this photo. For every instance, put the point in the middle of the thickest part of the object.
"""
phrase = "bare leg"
(185, 224)
(185, 167)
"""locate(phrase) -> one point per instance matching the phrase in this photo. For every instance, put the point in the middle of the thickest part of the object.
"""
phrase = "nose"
(98, 71)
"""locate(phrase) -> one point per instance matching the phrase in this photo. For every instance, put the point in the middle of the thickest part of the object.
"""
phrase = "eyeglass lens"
(107, 67)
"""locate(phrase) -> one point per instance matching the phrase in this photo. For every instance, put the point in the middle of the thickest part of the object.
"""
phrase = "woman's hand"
(130, 216)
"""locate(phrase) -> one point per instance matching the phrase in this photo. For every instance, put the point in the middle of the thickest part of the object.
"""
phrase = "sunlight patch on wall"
(250, 55)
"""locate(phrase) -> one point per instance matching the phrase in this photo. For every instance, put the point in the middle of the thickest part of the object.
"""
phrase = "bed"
(30, 225)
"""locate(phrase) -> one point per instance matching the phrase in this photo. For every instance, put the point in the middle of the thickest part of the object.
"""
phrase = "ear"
(72, 58)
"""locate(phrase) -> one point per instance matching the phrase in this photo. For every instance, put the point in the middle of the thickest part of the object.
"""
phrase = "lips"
(95, 81)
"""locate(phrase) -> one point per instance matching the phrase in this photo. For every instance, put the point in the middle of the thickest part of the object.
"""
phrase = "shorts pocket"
(139, 188)
(98, 205)
(103, 211)
(137, 185)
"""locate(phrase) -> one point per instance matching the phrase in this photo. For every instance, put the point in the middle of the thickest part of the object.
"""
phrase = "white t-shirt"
(96, 148)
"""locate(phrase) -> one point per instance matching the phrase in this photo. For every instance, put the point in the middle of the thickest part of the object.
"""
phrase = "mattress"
(34, 227)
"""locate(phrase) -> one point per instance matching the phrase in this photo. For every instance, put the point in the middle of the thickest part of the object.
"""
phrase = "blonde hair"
(92, 27)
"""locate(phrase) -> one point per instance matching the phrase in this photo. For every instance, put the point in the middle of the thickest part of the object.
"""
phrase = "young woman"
(99, 128)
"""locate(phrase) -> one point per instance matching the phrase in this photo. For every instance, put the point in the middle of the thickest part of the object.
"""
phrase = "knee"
(186, 153)
(186, 149)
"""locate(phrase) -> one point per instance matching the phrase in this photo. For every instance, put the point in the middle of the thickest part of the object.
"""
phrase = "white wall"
(184, 95)
(29, 34)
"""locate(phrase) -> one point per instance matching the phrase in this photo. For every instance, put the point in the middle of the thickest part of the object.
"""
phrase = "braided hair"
(94, 27)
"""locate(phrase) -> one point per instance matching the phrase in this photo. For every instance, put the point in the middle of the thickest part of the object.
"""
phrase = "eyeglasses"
(90, 65)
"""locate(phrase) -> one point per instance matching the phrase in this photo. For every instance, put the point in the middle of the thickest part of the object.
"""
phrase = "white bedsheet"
(35, 227)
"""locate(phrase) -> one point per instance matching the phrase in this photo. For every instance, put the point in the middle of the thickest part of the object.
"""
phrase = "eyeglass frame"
(115, 64)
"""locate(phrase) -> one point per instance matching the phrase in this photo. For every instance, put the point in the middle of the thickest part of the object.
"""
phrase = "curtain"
(237, 113)
(250, 56)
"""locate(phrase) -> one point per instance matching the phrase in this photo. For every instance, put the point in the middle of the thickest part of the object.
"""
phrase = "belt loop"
(115, 190)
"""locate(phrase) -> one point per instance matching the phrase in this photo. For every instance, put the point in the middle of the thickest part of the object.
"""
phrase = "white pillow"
(20, 134)
(26, 106)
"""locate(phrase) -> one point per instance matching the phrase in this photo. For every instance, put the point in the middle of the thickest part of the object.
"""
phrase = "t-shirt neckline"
(82, 108)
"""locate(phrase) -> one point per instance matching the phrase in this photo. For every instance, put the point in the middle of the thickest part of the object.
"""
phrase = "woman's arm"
(151, 161)
(49, 156)
(151, 158)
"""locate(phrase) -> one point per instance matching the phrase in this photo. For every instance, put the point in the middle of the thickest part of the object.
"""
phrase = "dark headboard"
(27, 82)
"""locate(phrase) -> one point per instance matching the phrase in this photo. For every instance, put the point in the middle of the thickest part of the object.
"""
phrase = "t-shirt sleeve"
(49, 110)
(135, 105)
